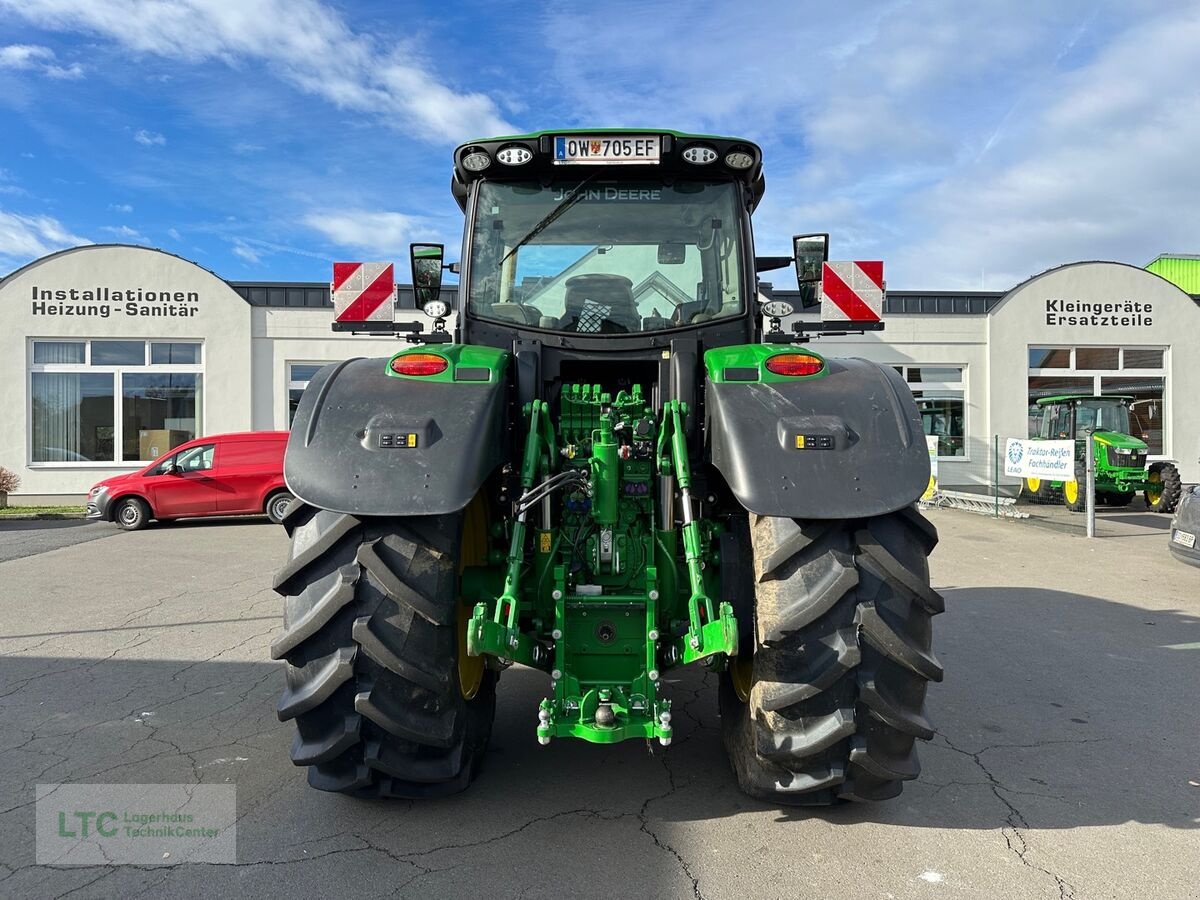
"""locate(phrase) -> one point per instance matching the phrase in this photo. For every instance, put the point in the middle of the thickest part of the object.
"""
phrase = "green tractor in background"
(1119, 458)
(601, 464)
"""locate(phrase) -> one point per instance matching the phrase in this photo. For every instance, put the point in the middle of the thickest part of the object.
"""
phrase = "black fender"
(863, 451)
(344, 452)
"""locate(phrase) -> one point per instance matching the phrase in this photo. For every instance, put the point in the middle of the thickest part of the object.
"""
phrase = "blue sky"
(967, 144)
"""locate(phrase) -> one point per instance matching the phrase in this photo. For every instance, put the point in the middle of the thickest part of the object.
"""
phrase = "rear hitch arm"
(718, 632)
(500, 636)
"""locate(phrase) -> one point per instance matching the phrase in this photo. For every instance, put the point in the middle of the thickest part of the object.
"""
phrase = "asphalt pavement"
(1065, 763)
(29, 537)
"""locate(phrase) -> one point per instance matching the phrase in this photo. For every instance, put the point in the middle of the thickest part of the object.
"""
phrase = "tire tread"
(843, 615)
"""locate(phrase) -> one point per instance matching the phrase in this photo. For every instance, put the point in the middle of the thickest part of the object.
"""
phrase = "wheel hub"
(1155, 493)
(741, 673)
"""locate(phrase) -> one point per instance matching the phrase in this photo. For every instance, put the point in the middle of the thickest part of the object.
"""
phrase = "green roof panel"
(1181, 270)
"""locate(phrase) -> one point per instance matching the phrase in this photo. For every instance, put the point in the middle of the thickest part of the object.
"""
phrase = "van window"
(193, 459)
(196, 459)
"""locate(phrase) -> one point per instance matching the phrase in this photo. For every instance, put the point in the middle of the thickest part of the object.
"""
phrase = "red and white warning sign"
(852, 291)
(364, 292)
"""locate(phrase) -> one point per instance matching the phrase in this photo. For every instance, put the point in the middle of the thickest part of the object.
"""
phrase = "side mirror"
(427, 278)
(810, 252)
(173, 469)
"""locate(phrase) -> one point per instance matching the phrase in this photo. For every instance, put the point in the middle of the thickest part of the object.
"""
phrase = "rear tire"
(132, 514)
(834, 697)
(372, 647)
(1172, 488)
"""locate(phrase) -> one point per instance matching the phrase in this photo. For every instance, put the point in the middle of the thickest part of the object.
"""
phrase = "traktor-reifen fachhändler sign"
(1040, 459)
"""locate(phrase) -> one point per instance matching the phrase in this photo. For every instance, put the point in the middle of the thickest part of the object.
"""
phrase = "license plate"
(1184, 537)
(597, 150)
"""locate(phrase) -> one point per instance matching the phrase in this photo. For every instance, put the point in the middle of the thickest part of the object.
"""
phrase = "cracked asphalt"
(1066, 763)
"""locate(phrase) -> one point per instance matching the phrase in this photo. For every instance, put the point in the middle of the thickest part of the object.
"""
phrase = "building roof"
(1181, 269)
(1173, 256)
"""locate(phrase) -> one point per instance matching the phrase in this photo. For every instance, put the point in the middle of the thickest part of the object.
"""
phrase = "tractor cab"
(600, 235)
(1074, 416)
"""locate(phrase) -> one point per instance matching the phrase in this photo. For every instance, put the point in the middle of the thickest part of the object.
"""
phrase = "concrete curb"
(22, 516)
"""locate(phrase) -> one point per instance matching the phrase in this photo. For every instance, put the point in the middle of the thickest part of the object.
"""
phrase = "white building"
(978, 361)
(114, 353)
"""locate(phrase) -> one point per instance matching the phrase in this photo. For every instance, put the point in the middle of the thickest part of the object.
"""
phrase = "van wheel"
(277, 505)
(132, 514)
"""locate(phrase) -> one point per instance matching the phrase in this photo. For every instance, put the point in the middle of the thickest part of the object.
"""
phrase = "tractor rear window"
(1102, 416)
(606, 256)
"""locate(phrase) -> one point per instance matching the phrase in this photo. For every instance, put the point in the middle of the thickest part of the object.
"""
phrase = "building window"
(113, 401)
(940, 392)
(72, 417)
(174, 353)
(118, 353)
(1135, 372)
(158, 412)
(299, 375)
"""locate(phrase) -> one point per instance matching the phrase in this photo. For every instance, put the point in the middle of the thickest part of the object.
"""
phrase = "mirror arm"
(770, 263)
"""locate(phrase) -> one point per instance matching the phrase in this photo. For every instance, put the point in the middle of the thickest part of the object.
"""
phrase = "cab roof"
(1063, 398)
(672, 163)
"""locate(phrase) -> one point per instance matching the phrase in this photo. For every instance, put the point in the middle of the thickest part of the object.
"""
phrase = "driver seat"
(612, 291)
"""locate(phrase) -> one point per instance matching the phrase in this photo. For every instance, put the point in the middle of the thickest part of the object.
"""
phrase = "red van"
(218, 475)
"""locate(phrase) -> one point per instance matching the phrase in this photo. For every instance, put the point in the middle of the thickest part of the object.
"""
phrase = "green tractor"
(1119, 458)
(602, 464)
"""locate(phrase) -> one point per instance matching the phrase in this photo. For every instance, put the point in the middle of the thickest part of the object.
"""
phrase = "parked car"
(1185, 527)
(218, 475)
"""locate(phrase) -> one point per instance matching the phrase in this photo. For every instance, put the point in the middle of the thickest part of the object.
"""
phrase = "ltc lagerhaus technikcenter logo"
(140, 824)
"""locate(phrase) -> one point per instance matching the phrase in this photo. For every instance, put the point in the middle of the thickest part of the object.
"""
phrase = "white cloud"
(149, 138)
(66, 73)
(378, 233)
(283, 248)
(304, 42)
(31, 57)
(247, 253)
(8, 187)
(24, 56)
(174, 234)
(1104, 167)
(25, 238)
(124, 231)
(120, 207)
